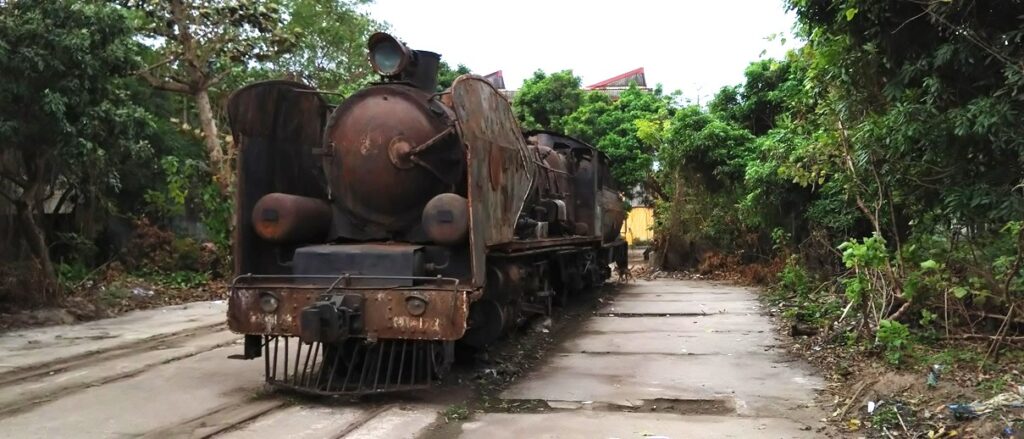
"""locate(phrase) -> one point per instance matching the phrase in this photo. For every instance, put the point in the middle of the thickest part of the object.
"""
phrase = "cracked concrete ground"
(665, 358)
(701, 350)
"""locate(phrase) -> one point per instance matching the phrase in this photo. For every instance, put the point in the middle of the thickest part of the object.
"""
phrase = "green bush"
(894, 338)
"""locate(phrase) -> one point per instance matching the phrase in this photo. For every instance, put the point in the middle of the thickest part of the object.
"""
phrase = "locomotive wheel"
(487, 321)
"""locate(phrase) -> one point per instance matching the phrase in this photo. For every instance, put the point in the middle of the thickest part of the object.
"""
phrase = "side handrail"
(342, 280)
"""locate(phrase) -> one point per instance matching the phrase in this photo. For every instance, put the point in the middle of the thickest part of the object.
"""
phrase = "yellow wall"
(639, 225)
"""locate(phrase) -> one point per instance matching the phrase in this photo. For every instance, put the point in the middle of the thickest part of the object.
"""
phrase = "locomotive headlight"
(415, 305)
(388, 56)
(268, 302)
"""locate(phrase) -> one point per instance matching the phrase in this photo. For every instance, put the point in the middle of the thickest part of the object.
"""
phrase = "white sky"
(696, 46)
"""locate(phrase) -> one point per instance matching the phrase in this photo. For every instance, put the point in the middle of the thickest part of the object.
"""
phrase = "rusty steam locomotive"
(373, 236)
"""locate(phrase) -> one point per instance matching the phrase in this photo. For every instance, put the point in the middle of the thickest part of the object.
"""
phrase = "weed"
(995, 385)
(960, 357)
(114, 295)
(795, 279)
(180, 279)
(885, 417)
(72, 274)
(455, 412)
(894, 337)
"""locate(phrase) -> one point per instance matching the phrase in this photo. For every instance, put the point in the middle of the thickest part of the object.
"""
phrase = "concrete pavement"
(664, 358)
(700, 350)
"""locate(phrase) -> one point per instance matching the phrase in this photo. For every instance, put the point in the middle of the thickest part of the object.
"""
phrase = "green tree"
(446, 74)
(545, 100)
(66, 123)
(897, 124)
(199, 43)
(617, 128)
(329, 46)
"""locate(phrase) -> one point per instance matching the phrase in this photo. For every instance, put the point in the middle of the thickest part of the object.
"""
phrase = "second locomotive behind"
(372, 238)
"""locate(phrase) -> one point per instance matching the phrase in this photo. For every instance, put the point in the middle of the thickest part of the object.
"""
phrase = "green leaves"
(545, 100)
(894, 337)
(325, 40)
(850, 13)
(868, 253)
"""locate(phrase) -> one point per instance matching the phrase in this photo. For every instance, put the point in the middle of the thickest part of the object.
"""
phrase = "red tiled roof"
(630, 74)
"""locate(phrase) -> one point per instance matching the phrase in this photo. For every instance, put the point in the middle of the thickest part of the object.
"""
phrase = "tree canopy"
(545, 100)
(67, 124)
(93, 139)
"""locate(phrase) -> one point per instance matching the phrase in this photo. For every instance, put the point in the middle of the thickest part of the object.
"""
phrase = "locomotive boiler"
(373, 236)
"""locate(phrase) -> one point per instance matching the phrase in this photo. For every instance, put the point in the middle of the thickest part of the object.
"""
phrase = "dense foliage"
(545, 100)
(101, 164)
(67, 122)
(887, 151)
(884, 158)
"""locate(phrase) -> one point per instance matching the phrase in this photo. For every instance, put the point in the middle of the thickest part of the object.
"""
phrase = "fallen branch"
(986, 337)
(996, 316)
(1001, 335)
(903, 309)
(846, 408)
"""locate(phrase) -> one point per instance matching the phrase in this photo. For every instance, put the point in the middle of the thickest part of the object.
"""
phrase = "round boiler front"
(370, 168)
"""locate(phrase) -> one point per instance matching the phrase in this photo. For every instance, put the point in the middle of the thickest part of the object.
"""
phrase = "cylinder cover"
(446, 219)
(291, 219)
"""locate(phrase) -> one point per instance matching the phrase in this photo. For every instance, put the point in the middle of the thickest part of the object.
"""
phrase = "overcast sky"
(696, 46)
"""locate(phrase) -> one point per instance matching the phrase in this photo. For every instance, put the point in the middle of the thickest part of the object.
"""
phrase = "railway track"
(25, 387)
(277, 417)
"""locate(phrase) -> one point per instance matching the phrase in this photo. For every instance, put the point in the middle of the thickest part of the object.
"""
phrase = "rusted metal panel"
(445, 317)
(535, 244)
(385, 315)
(499, 172)
(246, 317)
(275, 126)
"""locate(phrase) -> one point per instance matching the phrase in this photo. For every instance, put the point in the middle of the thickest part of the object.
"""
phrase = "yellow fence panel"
(639, 225)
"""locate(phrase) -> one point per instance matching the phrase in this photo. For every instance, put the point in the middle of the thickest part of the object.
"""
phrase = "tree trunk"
(218, 160)
(35, 237)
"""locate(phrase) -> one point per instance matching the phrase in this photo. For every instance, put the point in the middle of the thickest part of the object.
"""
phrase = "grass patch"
(455, 413)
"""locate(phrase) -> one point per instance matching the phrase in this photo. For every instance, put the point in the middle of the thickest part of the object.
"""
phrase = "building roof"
(623, 80)
(496, 79)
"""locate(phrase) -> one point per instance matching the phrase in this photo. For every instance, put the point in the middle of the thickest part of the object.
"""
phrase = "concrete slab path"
(666, 358)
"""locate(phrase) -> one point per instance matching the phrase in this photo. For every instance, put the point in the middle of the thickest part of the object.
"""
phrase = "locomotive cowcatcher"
(373, 236)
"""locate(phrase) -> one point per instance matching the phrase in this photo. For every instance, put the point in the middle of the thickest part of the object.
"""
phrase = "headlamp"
(388, 56)
(268, 302)
(415, 305)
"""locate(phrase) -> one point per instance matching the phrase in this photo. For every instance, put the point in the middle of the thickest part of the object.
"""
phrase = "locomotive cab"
(372, 238)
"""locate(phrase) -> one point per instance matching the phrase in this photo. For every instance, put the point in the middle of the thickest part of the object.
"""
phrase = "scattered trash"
(1012, 399)
(962, 412)
(872, 406)
(934, 374)
(142, 292)
(1008, 432)
(932, 434)
(853, 424)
